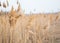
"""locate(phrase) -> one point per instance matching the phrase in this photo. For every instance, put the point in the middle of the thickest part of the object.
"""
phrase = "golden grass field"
(16, 27)
(36, 28)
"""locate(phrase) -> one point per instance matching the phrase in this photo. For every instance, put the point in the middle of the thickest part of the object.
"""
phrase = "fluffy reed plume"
(0, 3)
(7, 3)
(18, 8)
(17, 2)
(4, 5)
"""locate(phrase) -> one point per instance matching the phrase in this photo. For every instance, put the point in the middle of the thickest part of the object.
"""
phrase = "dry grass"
(15, 28)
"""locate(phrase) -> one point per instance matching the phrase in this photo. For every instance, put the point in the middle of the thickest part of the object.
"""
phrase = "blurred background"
(32, 6)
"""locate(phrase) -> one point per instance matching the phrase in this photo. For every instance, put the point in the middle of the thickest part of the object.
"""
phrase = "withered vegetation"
(16, 27)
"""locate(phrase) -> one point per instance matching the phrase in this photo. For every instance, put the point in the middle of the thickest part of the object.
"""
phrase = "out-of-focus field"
(36, 28)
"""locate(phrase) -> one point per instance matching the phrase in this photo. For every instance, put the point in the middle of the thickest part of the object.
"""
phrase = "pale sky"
(35, 6)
